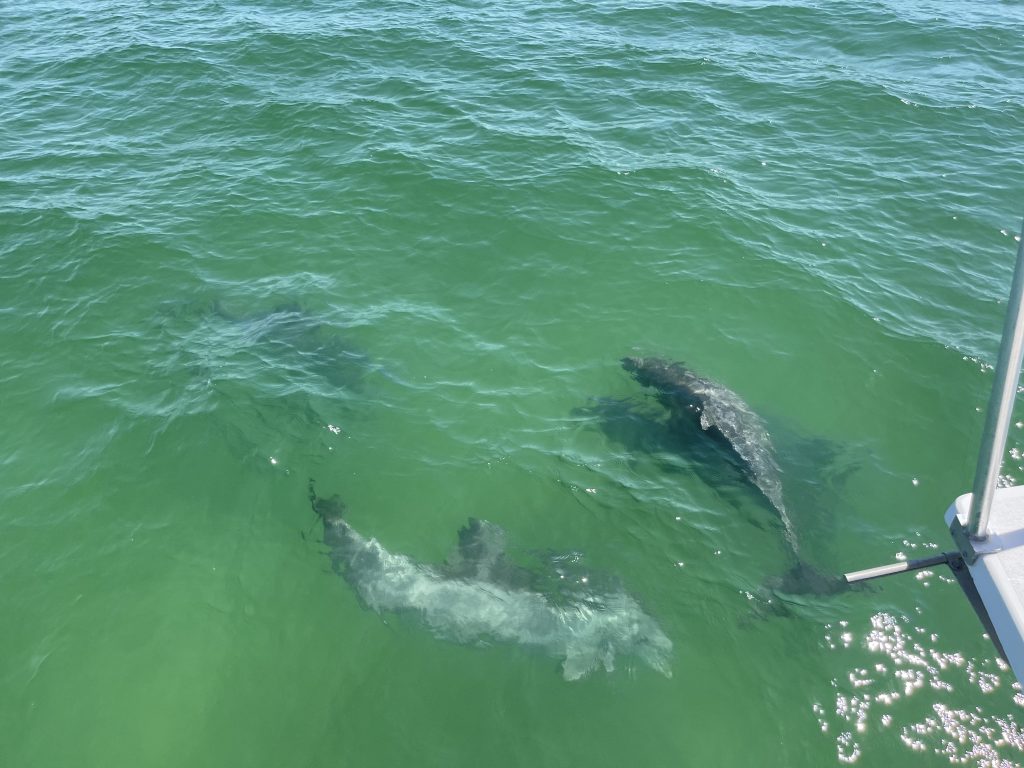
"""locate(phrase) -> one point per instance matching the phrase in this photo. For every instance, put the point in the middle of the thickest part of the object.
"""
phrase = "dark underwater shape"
(297, 338)
(641, 428)
(722, 414)
(805, 579)
(478, 597)
(694, 401)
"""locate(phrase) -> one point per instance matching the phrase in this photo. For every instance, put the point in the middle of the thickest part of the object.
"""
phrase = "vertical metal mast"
(1000, 407)
(990, 460)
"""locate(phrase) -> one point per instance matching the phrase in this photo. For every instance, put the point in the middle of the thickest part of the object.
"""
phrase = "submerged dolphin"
(480, 597)
(295, 340)
(721, 413)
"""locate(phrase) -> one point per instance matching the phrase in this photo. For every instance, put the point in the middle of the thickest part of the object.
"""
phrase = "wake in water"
(480, 597)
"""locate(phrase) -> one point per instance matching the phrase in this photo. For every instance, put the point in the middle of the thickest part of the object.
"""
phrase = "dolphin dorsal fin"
(481, 550)
(706, 422)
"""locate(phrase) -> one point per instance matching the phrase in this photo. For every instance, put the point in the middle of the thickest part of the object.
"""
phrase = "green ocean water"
(400, 249)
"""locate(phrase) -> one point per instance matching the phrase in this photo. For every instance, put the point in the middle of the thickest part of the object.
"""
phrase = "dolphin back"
(719, 411)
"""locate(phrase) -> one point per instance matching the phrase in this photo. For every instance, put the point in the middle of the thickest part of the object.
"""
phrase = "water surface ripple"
(401, 249)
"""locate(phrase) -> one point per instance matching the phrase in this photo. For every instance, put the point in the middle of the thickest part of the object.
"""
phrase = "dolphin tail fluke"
(804, 579)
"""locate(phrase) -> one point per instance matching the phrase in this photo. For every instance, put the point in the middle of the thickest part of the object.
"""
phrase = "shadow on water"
(676, 446)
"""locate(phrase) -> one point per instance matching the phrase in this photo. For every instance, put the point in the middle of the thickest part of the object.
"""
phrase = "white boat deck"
(998, 572)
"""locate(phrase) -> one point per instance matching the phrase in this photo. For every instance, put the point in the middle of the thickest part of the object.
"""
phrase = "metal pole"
(908, 565)
(1000, 405)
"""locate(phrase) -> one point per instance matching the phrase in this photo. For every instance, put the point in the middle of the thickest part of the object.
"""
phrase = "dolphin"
(298, 340)
(723, 414)
(480, 597)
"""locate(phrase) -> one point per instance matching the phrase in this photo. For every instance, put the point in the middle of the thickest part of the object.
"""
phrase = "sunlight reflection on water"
(886, 696)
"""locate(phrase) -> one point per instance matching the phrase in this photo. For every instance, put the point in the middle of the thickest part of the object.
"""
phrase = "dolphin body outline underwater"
(721, 413)
(479, 597)
(724, 415)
